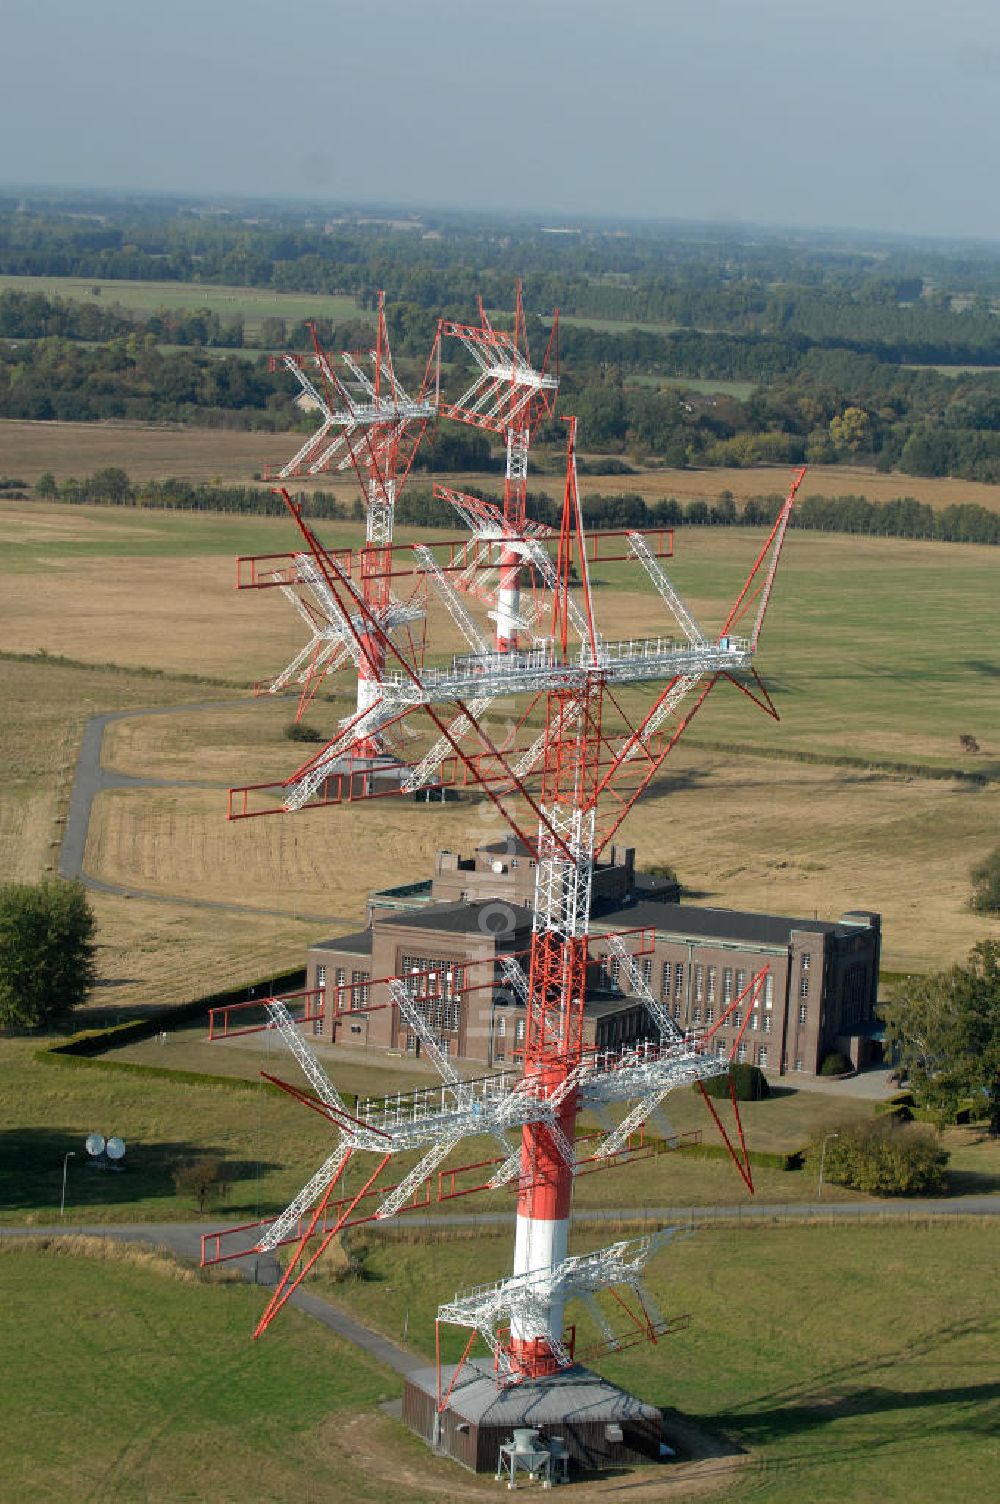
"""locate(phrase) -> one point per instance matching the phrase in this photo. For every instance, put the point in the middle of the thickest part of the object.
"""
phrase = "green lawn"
(270, 1144)
(846, 1363)
(612, 326)
(739, 389)
(253, 304)
(852, 1362)
(126, 1382)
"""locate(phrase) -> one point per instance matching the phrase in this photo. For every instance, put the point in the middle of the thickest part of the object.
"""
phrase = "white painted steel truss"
(436, 1121)
(333, 637)
(527, 1299)
(381, 416)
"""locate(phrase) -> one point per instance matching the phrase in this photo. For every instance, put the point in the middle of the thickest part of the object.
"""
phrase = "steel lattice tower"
(508, 397)
(565, 797)
(368, 423)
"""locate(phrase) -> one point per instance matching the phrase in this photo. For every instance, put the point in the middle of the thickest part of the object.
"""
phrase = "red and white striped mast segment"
(370, 424)
(592, 773)
(509, 397)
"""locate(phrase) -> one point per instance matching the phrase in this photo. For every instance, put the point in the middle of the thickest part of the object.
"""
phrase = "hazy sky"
(871, 113)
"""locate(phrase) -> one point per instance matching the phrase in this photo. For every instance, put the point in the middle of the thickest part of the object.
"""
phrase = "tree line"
(924, 303)
(902, 517)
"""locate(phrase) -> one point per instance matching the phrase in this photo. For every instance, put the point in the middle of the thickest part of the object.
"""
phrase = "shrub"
(664, 871)
(296, 732)
(883, 1157)
(749, 1084)
(203, 1180)
(835, 1064)
(986, 884)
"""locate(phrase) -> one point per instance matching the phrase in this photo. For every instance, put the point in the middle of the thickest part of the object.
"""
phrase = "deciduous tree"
(46, 952)
(946, 1030)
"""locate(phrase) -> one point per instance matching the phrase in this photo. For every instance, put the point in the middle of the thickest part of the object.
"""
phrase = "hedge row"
(89, 1046)
(764, 1159)
(902, 1108)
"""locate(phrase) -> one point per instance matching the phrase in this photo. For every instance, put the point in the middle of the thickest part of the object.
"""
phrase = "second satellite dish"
(116, 1148)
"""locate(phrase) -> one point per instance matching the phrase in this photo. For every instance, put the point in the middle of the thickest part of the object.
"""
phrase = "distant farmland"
(153, 452)
(252, 304)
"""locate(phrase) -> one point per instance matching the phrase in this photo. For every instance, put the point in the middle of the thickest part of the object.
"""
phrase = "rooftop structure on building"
(820, 994)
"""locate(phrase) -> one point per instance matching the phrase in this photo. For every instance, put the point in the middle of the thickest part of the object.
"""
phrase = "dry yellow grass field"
(178, 841)
(743, 833)
(854, 670)
(146, 451)
(151, 955)
(151, 452)
(45, 706)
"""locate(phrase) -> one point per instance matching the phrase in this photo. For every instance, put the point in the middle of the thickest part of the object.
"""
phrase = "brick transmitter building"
(449, 930)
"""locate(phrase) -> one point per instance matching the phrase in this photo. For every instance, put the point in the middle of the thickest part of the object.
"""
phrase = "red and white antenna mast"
(509, 397)
(566, 806)
(370, 424)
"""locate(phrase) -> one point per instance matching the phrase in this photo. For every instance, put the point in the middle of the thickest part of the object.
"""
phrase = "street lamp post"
(822, 1162)
(62, 1199)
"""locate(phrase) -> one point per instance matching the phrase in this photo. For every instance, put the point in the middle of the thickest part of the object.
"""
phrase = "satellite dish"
(116, 1148)
(95, 1144)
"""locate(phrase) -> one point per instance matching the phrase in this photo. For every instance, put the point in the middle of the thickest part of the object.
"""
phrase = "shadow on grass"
(765, 1426)
(31, 1170)
(983, 666)
(972, 1182)
(841, 1393)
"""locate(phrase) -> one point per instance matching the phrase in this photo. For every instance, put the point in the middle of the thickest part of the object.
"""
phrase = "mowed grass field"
(270, 1145)
(133, 1379)
(828, 1384)
(252, 304)
(847, 1363)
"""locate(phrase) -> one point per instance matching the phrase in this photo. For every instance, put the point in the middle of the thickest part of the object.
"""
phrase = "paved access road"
(92, 778)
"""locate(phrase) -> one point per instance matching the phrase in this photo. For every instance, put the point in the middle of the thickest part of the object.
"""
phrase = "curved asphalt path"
(184, 1240)
(93, 778)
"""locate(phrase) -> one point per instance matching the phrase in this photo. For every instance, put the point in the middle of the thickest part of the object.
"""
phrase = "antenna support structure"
(598, 719)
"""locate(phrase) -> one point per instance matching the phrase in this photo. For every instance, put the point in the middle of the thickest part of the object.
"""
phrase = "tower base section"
(599, 1424)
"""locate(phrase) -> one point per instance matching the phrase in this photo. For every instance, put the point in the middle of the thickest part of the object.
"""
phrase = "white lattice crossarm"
(640, 988)
(658, 576)
(563, 1146)
(322, 650)
(452, 601)
(503, 392)
(329, 607)
(538, 669)
(566, 719)
(667, 707)
(354, 728)
(648, 1074)
(514, 976)
(287, 1223)
(308, 1063)
(389, 617)
(459, 728)
(507, 1171)
(540, 559)
(601, 1321)
(529, 1298)
(619, 1136)
(397, 1198)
